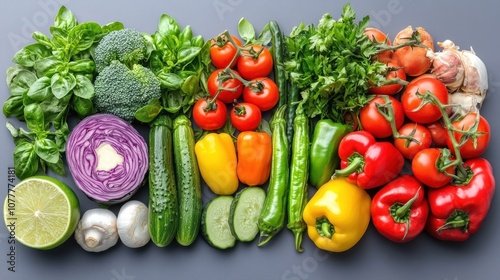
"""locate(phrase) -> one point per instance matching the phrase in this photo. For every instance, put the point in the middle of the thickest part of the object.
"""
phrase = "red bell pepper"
(366, 162)
(399, 209)
(457, 211)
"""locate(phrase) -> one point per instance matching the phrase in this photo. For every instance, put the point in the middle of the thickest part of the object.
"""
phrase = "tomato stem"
(387, 112)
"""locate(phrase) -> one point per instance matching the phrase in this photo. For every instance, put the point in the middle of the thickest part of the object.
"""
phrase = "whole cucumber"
(163, 205)
(188, 182)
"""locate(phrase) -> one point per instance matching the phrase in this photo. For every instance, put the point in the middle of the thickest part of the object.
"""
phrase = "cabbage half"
(107, 158)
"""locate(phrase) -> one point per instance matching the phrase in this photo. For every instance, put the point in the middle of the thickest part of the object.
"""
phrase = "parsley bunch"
(331, 65)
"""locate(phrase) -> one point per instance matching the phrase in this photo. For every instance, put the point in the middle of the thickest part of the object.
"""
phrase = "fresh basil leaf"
(62, 85)
(84, 87)
(198, 41)
(191, 85)
(186, 35)
(42, 39)
(150, 46)
(155, 61)
(174, 102)
(170, 81)
(148, 113)
(82, 36)
(57, 167)
(47, 150)
(40, 89)
(13, 106)
(65, 19)
(28, 55)
(205, 54)
(48, 66)
(82, 66)
(22, 82)
(82, 106)
(168, 25)
(34, 116)
(25, 160)
(62, 136)
(246, 30)
(59, 37)
(187, 54)
(265, 36)
(12, 72)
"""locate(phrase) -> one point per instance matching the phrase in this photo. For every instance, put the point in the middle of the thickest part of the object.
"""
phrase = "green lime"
(42, 212)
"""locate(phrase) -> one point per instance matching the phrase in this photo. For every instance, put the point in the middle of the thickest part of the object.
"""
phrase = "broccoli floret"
(122, 91)
(126, 45)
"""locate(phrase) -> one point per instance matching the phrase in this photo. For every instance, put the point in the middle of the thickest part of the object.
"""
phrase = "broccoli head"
(126, 45)
(122, 91)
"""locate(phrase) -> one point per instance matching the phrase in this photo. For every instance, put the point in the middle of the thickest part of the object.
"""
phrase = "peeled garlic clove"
(447, 65)
(476, 76)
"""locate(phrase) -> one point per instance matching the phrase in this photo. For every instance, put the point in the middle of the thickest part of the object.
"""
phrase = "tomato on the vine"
(425, 167)
(262, 92)
(420, 138)
(374, 122)
(412, 101)
(439, 134)
(245, 116)
(394, 72)
(222, 51)
(208, 115)
(255, 61)
(475, 144)
(234, 86)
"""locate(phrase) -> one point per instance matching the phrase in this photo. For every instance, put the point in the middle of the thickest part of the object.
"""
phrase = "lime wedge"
(41, 212)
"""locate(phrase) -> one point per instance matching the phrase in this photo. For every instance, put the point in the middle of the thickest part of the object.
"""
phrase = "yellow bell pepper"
(216, 156)
(337, 215)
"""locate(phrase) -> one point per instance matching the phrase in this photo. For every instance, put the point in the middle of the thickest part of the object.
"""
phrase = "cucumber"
(245, 212)
(188, 179)
(215, 222)
(162, 202)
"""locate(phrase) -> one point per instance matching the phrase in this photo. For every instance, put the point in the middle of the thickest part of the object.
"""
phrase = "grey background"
(467, 23)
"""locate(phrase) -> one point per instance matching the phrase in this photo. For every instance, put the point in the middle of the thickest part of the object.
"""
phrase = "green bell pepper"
(323, 156)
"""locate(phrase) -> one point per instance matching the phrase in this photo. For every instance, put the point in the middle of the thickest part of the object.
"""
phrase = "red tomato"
(439, 134)
(424, 168)
(255, 62)
(375, 123)
(429, 112)
(377, 35)
(413, 59)
(222, 51)
(235, 86)
(245, 116)
(392, 89)
(420, 139)
(472, 147)
(262, 92)
(209, 118)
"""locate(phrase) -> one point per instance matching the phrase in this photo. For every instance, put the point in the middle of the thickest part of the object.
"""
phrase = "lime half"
(41, 212)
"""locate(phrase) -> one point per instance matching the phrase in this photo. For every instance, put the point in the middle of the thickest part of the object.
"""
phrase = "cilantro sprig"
(332, 65)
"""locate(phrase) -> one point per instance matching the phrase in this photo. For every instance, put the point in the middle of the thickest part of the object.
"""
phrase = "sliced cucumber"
(215, 222)
(245, 211)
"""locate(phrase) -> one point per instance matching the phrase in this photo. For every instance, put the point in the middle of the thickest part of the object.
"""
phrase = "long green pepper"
(272, 216)
(299, 174)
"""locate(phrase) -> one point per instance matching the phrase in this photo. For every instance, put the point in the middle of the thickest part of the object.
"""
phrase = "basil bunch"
(50, 80)
(181, 62)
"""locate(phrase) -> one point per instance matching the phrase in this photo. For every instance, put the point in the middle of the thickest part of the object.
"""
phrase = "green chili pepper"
(292, 103)
(323, 157)
(297, 195)
(272, 216)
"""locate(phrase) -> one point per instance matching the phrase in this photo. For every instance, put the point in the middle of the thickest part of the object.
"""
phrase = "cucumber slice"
(245, 211)
(215, 222)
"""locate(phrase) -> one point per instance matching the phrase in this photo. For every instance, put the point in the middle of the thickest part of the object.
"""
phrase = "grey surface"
(467, 23)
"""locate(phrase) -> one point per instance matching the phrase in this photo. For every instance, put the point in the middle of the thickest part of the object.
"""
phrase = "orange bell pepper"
(254, 157)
